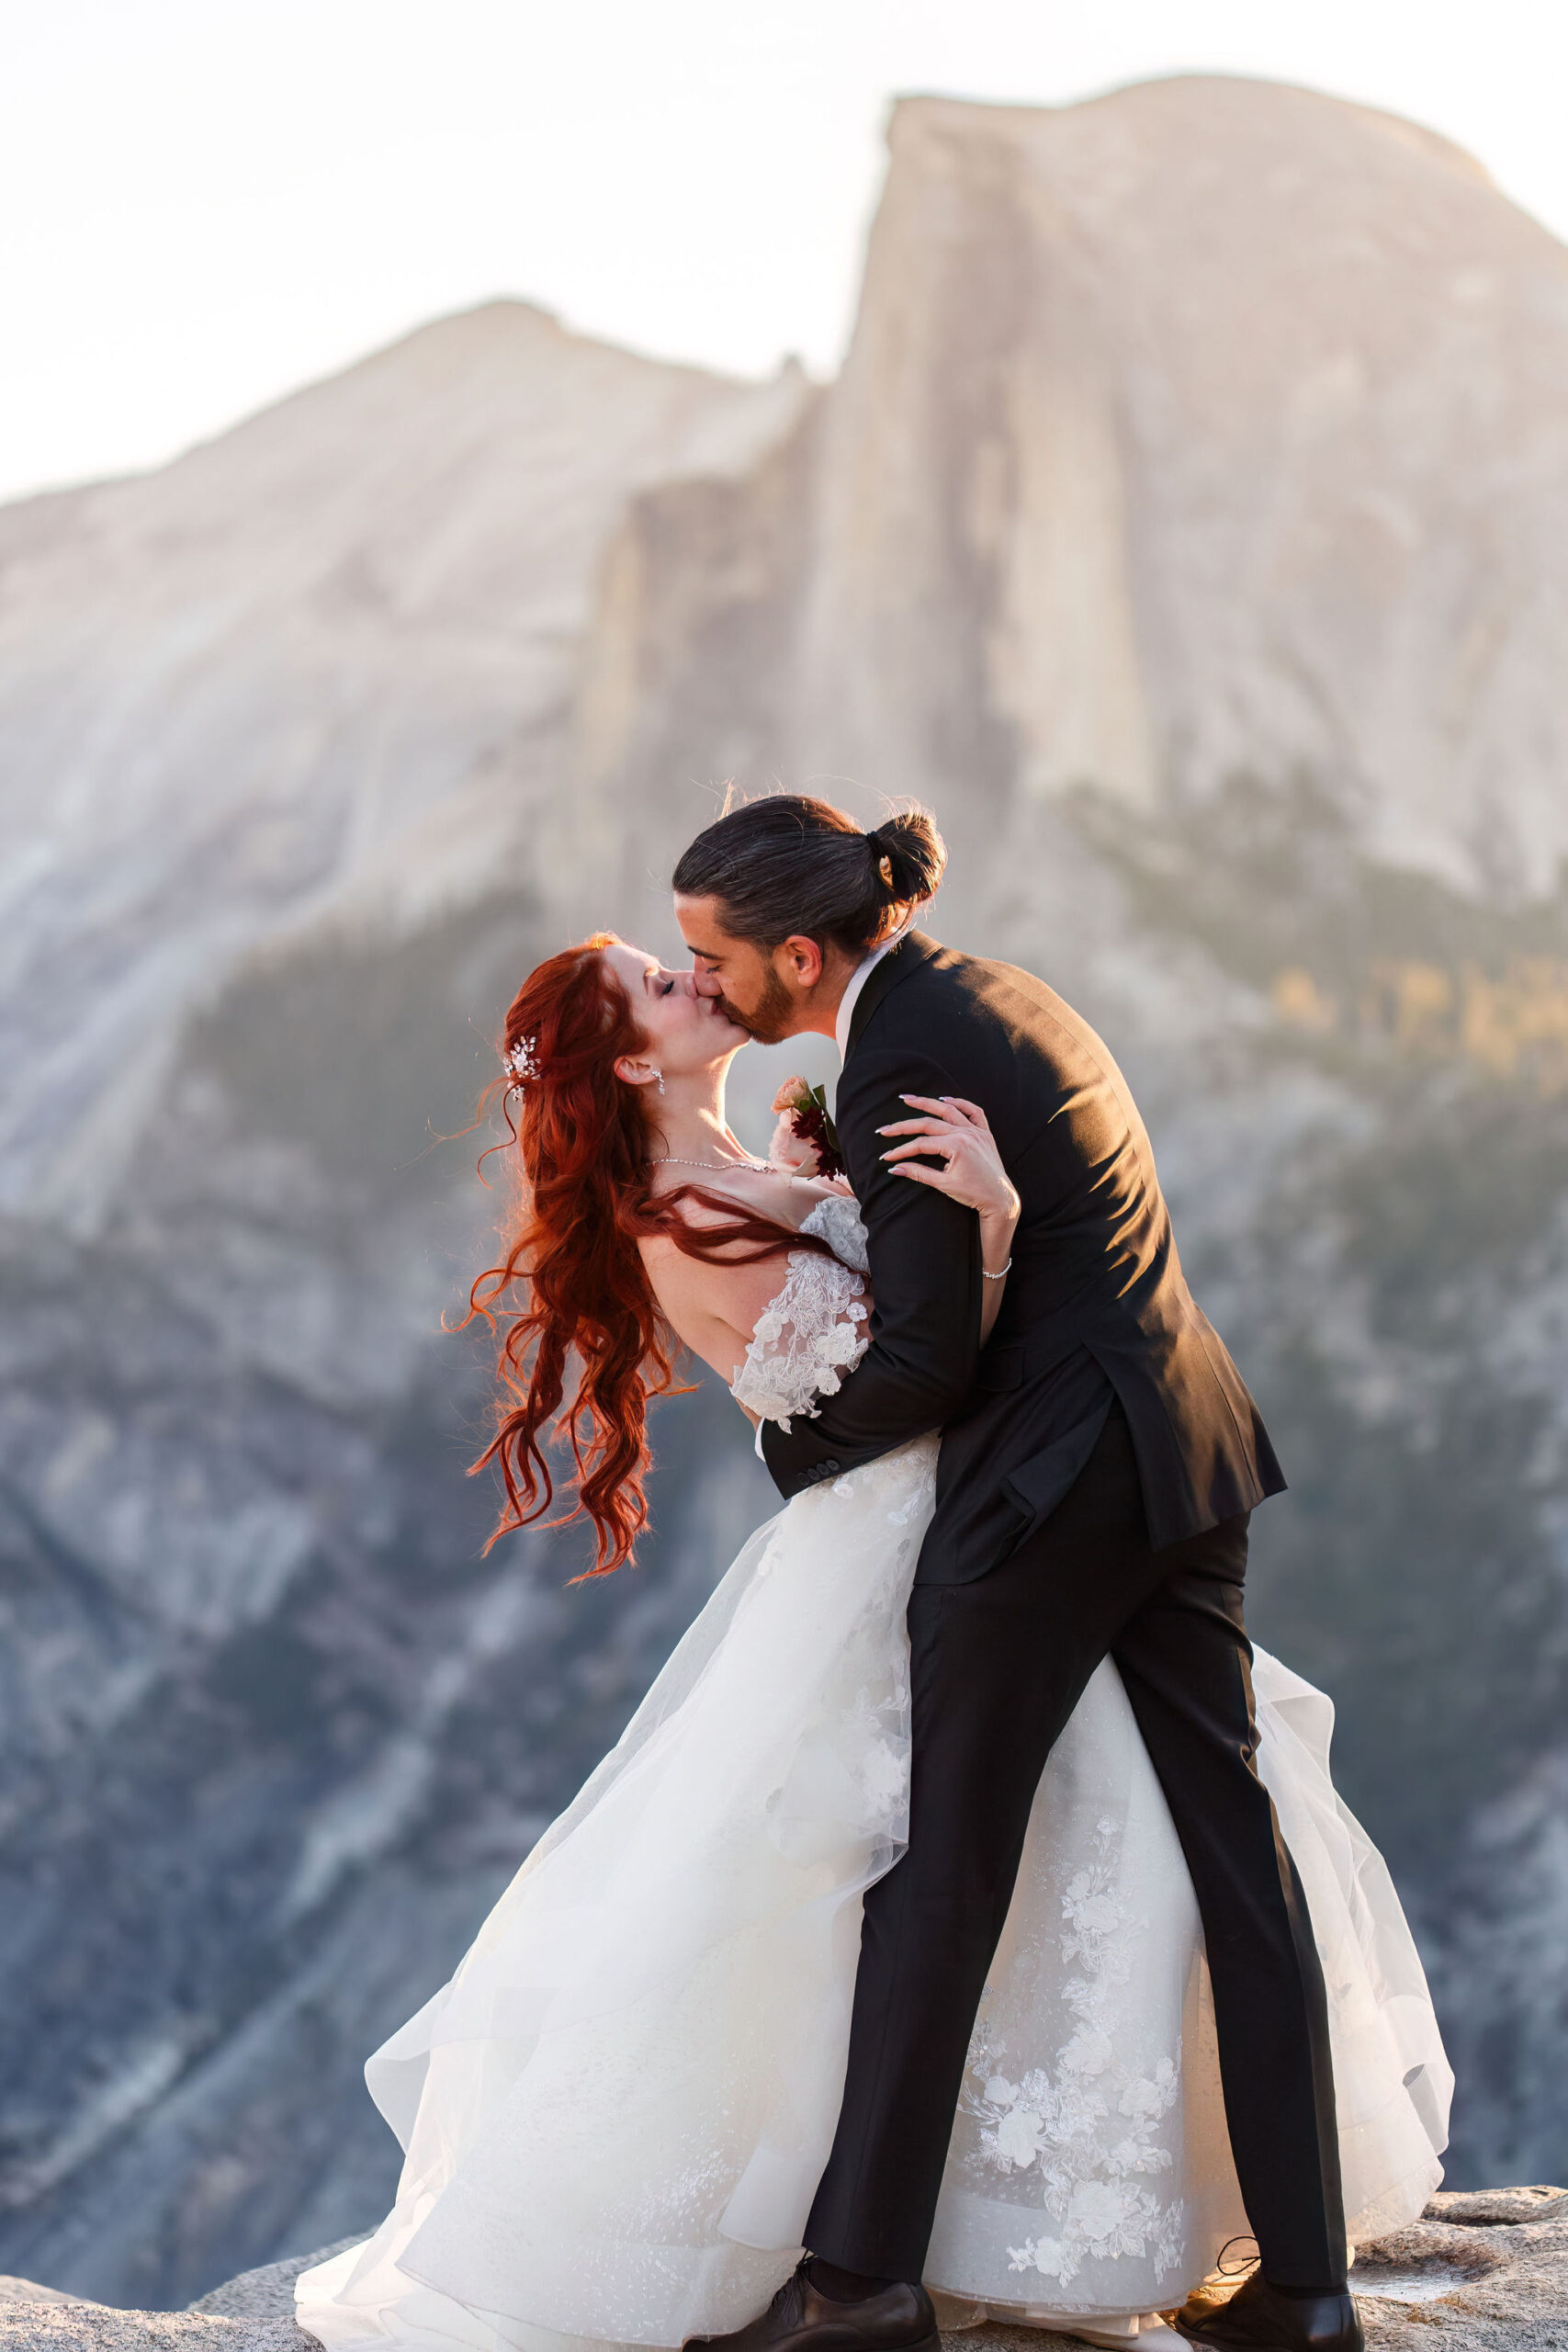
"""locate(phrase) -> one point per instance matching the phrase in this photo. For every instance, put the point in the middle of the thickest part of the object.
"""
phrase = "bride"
(616, 2114)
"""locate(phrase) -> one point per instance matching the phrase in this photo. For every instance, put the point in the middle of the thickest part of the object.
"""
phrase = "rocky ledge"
(1479, 2272)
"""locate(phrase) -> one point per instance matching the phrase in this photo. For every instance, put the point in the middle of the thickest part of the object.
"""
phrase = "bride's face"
(685, 1032)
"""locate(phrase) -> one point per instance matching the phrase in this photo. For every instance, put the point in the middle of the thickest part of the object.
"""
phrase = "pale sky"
(209, 202)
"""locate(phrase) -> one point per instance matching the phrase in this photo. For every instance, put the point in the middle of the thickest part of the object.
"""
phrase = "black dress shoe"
(802, 2319)
(1257, 2318)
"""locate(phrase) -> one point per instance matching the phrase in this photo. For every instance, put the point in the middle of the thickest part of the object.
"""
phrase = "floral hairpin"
(523, 1060)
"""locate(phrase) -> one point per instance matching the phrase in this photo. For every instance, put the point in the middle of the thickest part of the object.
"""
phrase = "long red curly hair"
(571, 1283)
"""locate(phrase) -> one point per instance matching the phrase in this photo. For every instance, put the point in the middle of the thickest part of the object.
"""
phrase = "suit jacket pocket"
(1038, 1484)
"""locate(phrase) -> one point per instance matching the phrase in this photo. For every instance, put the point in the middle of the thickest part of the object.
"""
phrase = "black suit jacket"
(1095, 1305)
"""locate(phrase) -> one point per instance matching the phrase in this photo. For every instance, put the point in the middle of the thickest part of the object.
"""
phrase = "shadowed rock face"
(286, 729)
(1188, 527)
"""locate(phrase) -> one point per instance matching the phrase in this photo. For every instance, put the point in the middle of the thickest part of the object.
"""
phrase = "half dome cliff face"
(1211, 430)
(1188, 526)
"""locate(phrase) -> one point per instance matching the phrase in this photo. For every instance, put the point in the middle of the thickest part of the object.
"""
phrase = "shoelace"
(790, 2300)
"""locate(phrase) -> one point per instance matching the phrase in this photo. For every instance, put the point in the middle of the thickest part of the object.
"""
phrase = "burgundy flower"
(803, 1109)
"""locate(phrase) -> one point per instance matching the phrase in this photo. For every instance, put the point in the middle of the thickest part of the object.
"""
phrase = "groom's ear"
(798, 962)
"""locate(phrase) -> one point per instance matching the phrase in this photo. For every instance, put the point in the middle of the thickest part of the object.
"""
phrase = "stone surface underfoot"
(1479, 2272)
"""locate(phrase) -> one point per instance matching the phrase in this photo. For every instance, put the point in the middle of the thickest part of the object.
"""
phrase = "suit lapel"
(908, 955)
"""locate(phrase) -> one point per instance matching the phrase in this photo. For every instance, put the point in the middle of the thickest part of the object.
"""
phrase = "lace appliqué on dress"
(812, 1331)
(1086, 2121)
(836, 1219)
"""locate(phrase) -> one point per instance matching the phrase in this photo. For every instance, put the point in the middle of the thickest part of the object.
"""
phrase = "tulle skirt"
(615, 2114)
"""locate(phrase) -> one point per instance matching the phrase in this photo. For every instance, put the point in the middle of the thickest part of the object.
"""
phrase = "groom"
(1099, 1459)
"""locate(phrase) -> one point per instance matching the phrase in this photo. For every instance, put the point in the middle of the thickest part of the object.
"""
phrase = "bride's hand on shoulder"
(957, 1133)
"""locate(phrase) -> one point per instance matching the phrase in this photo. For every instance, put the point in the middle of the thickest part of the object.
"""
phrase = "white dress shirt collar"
(857, 979)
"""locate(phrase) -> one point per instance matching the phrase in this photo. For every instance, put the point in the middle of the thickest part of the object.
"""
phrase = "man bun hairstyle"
(790, 864)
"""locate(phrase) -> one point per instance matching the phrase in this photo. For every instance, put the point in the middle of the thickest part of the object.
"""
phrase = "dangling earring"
(662, 1081)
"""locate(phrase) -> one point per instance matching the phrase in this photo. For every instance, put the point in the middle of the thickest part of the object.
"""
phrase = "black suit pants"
(998, 1666)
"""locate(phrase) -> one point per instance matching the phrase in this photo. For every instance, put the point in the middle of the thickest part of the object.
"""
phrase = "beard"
(773, 1018)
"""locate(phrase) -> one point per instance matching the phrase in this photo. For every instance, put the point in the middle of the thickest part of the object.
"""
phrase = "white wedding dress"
(616, 2114)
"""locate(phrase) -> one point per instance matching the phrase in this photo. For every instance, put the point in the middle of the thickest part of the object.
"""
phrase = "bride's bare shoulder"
(713, 1303)
(662, 1253)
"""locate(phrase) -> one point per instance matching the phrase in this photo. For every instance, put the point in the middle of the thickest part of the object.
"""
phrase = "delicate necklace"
(673, 1159)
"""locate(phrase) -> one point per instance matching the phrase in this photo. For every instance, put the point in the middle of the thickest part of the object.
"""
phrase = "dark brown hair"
(790, 864)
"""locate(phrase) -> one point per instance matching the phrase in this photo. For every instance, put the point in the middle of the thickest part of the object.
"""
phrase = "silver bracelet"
(999, 1277)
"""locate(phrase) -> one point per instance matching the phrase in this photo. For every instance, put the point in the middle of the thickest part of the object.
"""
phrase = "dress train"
(616, 2114)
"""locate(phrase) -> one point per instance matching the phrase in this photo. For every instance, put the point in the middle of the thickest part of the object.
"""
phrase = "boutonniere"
(804, 1141)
